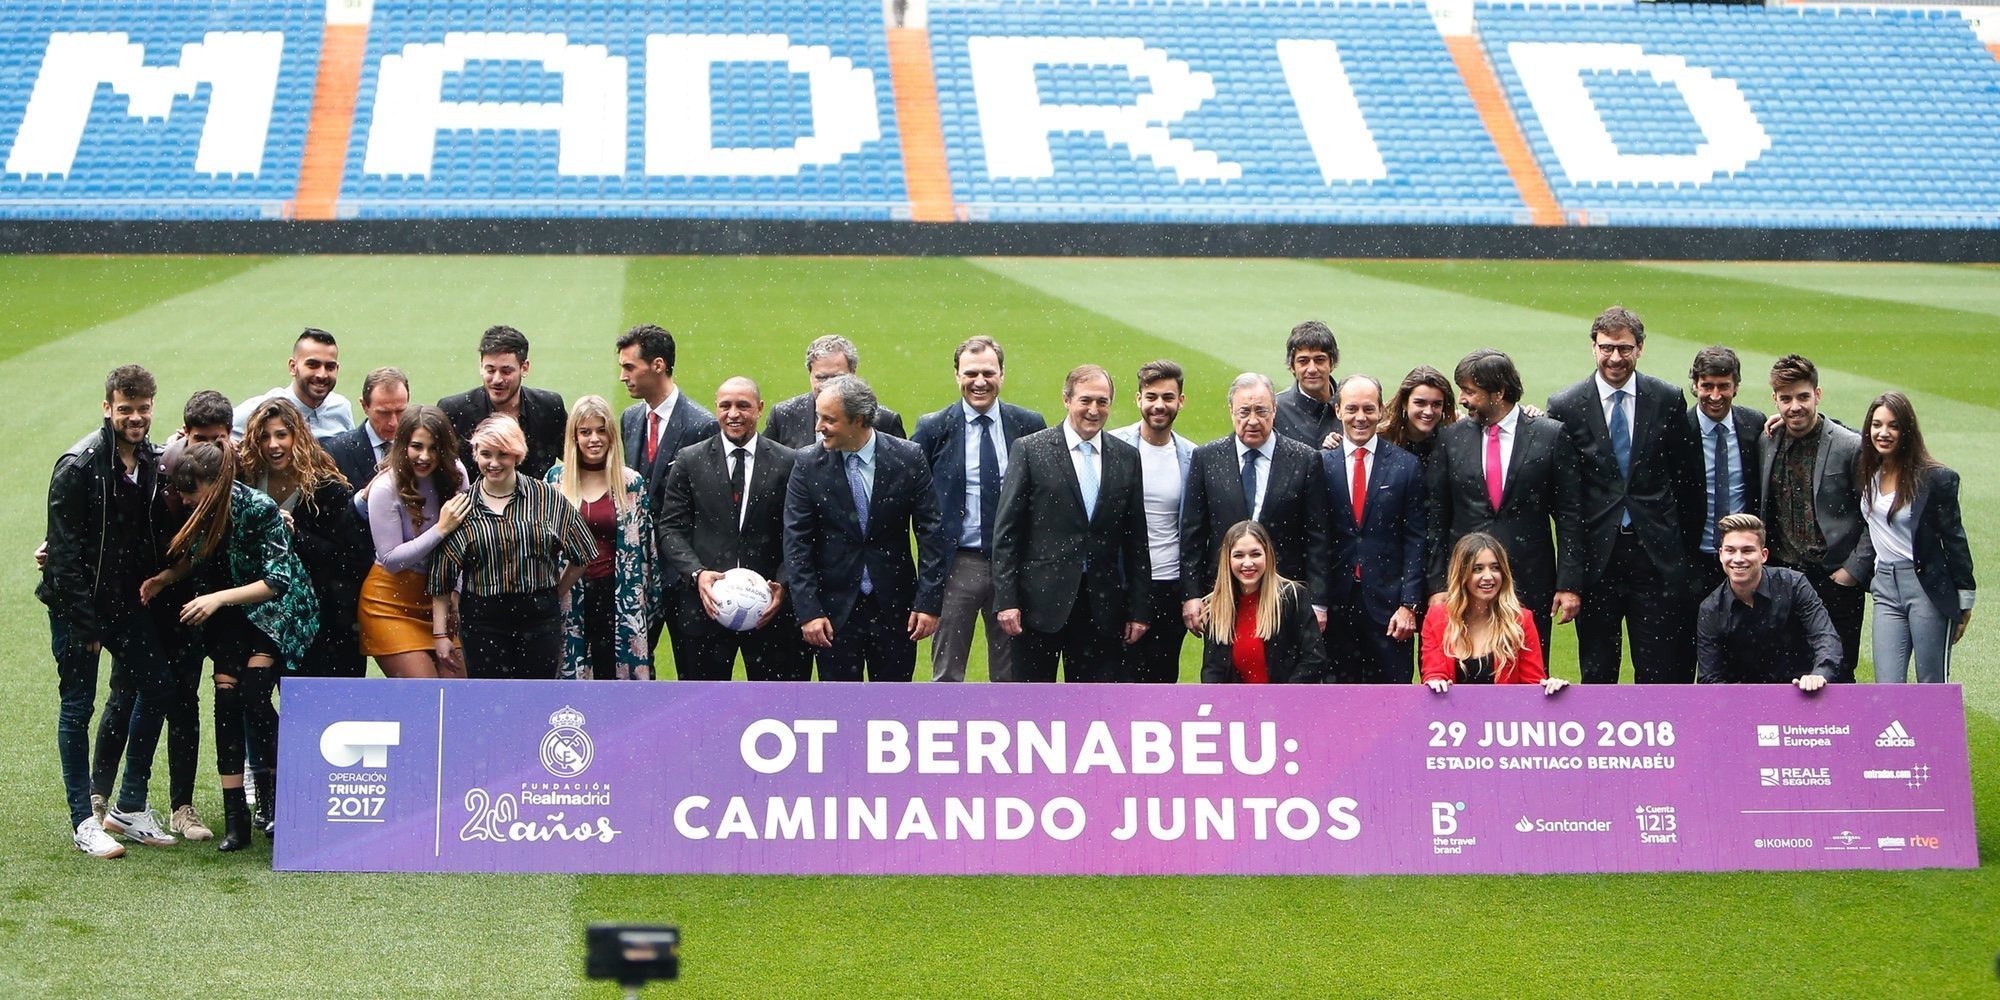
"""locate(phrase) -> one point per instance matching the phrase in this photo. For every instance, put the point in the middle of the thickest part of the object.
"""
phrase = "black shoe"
(265, 816)
(235, 821)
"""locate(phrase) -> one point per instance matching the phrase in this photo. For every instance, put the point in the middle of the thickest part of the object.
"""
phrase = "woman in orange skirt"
(412, 505)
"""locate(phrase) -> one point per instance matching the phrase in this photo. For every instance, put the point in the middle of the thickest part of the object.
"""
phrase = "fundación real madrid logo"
(566, 750)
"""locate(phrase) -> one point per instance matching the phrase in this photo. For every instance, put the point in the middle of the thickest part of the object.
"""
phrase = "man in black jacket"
(385, 394)
(1639, 475)
(1306, 410)
(106, 536)
(828, 357)
(503, 364)
(1765, 624)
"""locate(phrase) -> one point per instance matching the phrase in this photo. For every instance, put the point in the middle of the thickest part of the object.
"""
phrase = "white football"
(741, 598)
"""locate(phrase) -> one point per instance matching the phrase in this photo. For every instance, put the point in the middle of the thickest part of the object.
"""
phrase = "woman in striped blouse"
(521, 548)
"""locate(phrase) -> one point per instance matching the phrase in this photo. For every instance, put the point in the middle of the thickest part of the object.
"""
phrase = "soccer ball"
(741, 598)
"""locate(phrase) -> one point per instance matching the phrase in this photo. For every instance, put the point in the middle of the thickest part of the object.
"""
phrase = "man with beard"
(315, 368)
(1164, 457)
(503, 364)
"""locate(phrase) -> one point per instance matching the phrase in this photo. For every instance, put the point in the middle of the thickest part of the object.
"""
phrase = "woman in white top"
(1922, 580)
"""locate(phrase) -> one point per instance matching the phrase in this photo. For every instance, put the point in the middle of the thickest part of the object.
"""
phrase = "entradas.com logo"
(1914, 777)
(1895, 736)
(566, 750)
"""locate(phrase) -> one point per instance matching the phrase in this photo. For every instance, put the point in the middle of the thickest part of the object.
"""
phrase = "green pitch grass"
(187, 921)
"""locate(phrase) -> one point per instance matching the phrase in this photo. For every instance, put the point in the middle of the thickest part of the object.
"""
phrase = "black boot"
(235, 821)
(266, 816)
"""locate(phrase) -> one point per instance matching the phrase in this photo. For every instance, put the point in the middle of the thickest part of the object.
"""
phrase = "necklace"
(496, 496)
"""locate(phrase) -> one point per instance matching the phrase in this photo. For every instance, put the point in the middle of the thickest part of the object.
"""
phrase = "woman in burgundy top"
(1260, 628)
(605, 614)
(1481, 634)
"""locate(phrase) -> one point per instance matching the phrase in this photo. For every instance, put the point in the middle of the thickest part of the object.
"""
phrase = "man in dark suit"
(1640, 477)
(1376, 495)
(1512, 476)
(1071, 563)
(853, 502)
(1811, 503)
(725, 507)
(1306, 410)
(385, 394)
(503, 364)
(1729, 436)
(1255, 474)
(828, 357)
(967, 444)
(655, 430)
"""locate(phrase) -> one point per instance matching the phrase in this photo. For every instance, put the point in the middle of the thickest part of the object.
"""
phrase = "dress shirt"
(749, 469)
(1732, 461)
(969, 536)
(377, 446)
(333, 415)
(665, 411)
(1508, 425)
(1077, 458)
(1347, 449)
(1753, 643)
(521, 550)
(866, 453)
(1264, 453)
(1629, 404)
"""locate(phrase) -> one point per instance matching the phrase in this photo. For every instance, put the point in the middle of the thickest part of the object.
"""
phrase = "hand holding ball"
(741, 598)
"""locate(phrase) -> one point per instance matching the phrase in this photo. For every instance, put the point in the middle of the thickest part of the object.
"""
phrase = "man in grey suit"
(1811, 502)
(1164, 459)
(654, 430)
(966, 444)
(828, 357)
(1071, 568)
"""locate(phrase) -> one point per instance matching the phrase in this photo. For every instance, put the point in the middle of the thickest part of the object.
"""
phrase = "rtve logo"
(345, 744)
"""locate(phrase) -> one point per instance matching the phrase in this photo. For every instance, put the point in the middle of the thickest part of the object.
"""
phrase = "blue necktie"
(1250, 483)
(989, 484)
(1719, 492)
(859, 488)
(1621, 442)
(1086, 479)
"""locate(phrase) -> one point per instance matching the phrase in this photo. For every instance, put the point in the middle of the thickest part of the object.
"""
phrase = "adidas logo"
(1895, 736)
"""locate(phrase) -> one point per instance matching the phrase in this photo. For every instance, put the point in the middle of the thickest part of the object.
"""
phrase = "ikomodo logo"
(565, 752)
(358, 789)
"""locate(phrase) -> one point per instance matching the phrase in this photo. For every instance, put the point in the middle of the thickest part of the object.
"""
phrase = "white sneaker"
(187, 824)
(97, 808)
(141, 826)
(92, 840)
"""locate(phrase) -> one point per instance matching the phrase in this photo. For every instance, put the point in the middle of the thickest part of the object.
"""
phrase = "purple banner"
(551, 776)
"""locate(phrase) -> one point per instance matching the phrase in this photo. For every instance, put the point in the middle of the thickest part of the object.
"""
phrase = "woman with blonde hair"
(1481, 634)
(417, 500)
(605, 617)
(1260, 627)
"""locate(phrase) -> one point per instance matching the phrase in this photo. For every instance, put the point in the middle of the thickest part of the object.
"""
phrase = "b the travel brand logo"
(1895, 736)
(1914, 777)
(566, 750)
(1795, 777)
(1444, 829)
(346, 744)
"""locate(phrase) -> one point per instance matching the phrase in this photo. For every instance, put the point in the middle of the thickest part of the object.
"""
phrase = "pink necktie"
(1493, 482)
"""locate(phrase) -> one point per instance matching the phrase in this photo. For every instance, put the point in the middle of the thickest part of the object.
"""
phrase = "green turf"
(188, 920)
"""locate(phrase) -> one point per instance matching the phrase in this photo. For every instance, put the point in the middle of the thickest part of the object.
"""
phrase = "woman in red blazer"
(1481, 634)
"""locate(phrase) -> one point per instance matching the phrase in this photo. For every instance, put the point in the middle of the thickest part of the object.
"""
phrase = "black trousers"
(874, 643)
(1359, 648)
(1088, 653)
(1845, 605)
(770, 653)
(1632, 596)
(185, 652)
(336, 649)
(1156, 657)
(600, 628)
(511, 636)
(244, 715)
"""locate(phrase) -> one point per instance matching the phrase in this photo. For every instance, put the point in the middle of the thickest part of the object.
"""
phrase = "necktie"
(1718, 494)
(381, 452)
(736, 481)
(1621, 443)
(1493, 481)
(1359, 483)
(989, 484)
(1086, 479)
(652, 435)
(859, 488)
(1250, 483)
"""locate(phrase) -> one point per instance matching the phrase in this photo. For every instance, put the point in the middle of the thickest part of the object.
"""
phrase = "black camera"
(632, 954)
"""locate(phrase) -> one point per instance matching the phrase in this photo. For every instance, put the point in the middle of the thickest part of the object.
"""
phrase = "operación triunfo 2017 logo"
(358, 787)
(566, 750)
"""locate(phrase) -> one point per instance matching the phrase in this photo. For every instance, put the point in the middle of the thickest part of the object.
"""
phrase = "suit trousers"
(770, 653)
(1088, 654)
(1360, 649)
(1845, 605)
(1907, 624)
(968, 596)
(875, 642)
(1156, 657)
(1633, 595)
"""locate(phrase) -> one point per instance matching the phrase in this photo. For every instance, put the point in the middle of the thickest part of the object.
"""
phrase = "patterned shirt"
(520, 551)
(1795, 536)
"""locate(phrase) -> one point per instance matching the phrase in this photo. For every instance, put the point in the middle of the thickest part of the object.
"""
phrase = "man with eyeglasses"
(828, 357)
(1260, 475)
(1639, 481)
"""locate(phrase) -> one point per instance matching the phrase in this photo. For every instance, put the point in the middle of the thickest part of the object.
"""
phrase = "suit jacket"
(699, 528)
(1667, 478)
(1541, 490)
(942, 437)
(1944, 559)
(792, 421)
(1748, 426)
(1389, 543)
(543, 420)
(1305, 419)
(1043, 542)
(354, 455)
(1296, 655)
(1295, 513)
(826, 549)
(1836, 496)
(689, 423)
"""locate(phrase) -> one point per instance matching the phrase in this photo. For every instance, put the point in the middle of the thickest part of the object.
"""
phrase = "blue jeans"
(1908, 625)
(131, 637)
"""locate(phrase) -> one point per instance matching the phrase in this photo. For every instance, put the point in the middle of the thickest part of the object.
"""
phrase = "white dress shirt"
(749, 469)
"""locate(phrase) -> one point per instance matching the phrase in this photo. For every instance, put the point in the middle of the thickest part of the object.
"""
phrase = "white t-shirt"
(1160, 472)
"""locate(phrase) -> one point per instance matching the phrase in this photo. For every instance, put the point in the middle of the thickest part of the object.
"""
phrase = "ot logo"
(1444, 818)
(345, 744)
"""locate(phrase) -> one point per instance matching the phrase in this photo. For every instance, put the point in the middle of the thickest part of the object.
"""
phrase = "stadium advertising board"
(553, 776)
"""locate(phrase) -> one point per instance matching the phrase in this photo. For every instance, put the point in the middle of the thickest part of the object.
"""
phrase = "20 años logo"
(565, 752)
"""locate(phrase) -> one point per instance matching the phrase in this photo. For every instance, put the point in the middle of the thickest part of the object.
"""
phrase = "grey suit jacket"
(1836, 496)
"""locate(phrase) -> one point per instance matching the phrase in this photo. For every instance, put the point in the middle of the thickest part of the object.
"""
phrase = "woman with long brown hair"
(1260, 627)
(1922, 583)
(1423, 404)
(1481, 634)
(416, 500)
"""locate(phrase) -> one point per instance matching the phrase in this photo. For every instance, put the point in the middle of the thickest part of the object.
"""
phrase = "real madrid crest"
(566, 750)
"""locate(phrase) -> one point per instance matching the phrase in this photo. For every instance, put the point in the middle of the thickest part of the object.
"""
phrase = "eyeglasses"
(1617, 350)
(1246, 412)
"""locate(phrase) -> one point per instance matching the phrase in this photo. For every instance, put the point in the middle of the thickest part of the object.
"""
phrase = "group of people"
(1339, 533)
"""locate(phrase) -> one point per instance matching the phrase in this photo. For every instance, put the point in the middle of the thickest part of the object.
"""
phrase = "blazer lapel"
(1645, 413)
(1518, 459)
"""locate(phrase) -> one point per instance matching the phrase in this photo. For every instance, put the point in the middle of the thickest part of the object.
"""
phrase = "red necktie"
(652, 435)
(1493, 482)
(1359, 482)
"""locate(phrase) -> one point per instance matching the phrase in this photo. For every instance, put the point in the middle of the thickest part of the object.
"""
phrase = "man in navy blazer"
(1376, 509)
(1071, 568)
(385, 394)
(853, 502)
(653, 431)
(1729, 460)
(961, 466)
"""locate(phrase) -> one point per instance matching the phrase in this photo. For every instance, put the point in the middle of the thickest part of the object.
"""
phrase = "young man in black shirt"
(1765, 625)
